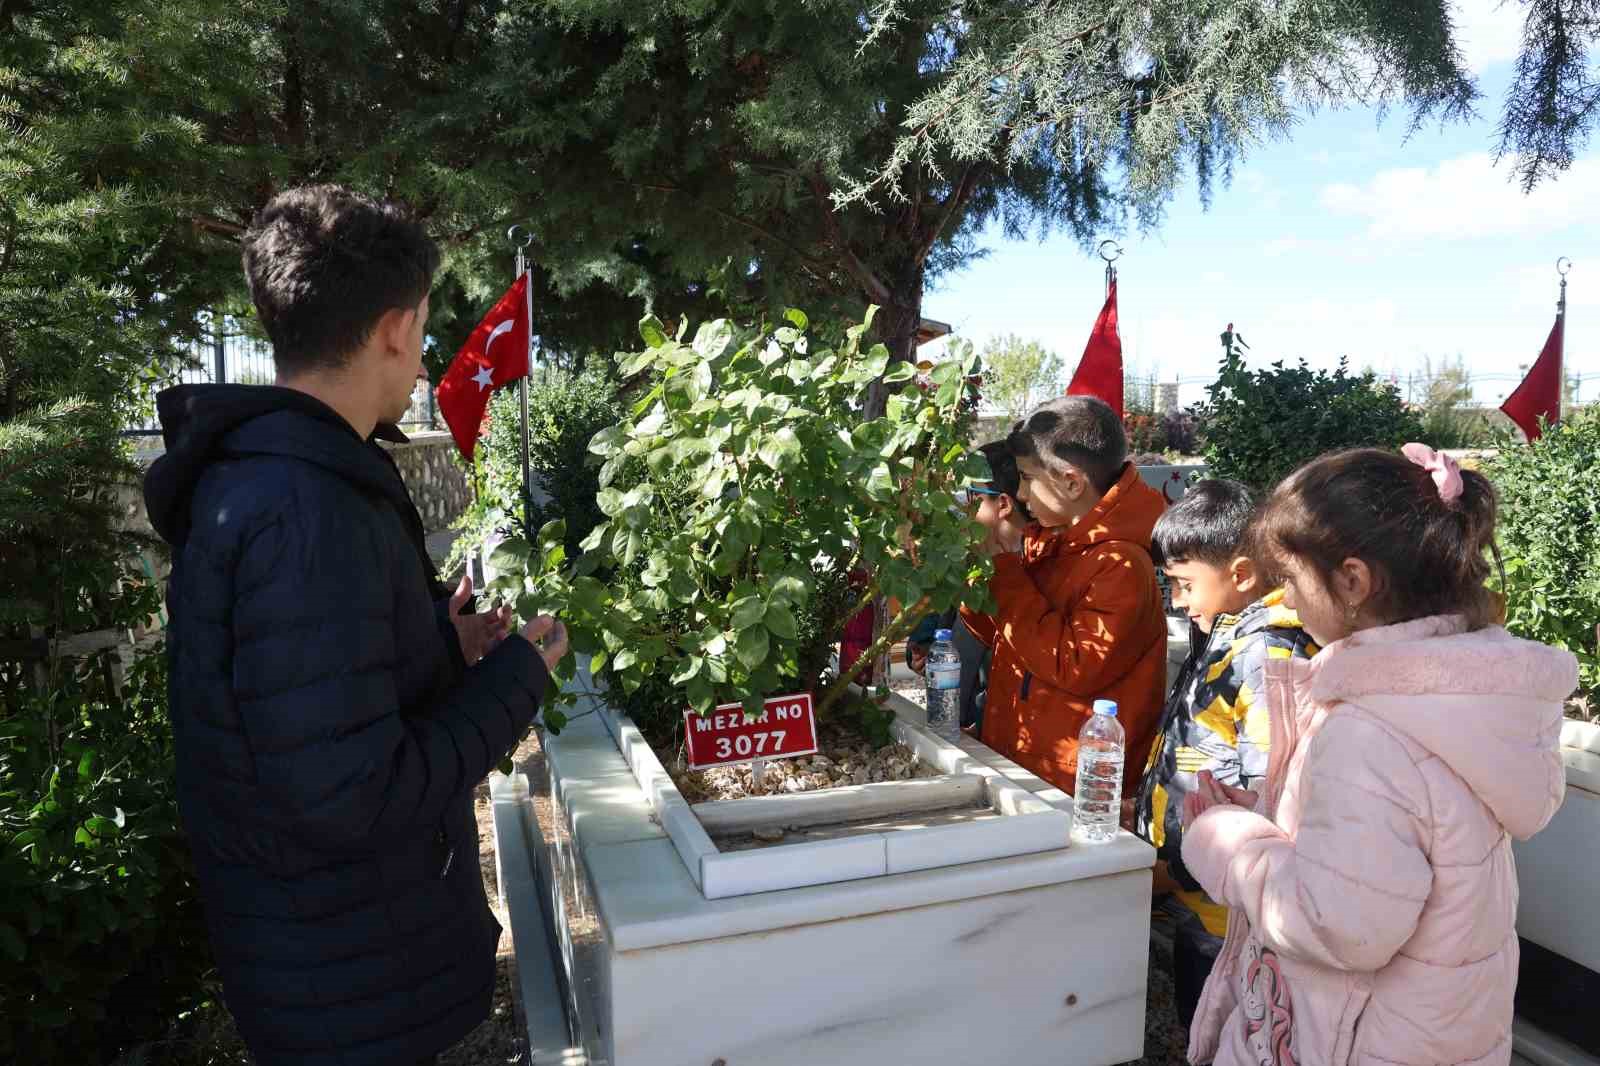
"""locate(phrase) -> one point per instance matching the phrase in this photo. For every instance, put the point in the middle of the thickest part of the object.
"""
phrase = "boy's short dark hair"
(1081, 430)
(324, 264)
(1003, 476)
(1209, 524)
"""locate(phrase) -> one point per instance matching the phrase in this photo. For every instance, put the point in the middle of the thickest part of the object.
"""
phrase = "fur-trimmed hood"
(1485, 702)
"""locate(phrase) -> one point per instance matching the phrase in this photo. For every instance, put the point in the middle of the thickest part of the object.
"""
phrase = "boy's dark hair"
(1080, 430)
(1427, 557)
(1003, 473)
(1209, 524)
(324, 264)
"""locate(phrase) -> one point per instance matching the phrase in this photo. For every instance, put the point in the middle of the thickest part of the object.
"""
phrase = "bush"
(741, 494)
(102, 942)
(1549, 535)
(565, 410)
(1181, 431)
(1258, 426)
(1146, 435)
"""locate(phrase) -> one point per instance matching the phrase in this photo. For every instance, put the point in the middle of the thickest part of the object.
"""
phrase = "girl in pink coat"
(1372, 887)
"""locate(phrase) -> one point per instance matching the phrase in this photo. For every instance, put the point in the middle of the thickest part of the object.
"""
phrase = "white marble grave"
(1024, 958)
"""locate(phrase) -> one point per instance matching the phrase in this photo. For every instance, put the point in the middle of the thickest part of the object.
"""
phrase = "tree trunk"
(896, 328)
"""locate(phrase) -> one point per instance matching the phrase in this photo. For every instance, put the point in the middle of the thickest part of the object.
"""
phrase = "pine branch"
(218, 226)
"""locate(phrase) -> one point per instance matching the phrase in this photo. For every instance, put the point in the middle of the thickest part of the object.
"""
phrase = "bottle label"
(944, 676)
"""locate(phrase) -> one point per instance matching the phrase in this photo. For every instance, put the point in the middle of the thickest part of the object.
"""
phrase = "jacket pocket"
(1027, 683)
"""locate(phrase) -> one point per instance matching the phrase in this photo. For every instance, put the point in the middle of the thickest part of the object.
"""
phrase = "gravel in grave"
(843, 758)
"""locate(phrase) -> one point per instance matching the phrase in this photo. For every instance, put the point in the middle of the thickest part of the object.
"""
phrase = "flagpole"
(1561, 325)
(1111, 258)
(522, 382)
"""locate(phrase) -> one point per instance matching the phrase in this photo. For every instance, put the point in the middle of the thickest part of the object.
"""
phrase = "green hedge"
(1549, 533)
(102, 943)
(1259, 426)
(565, 410)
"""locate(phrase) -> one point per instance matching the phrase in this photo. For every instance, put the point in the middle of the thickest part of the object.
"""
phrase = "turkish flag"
(1540, 392)
(1099, 372)
(496, 353)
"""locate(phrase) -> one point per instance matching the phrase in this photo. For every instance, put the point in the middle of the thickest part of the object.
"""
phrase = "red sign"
(786, 727)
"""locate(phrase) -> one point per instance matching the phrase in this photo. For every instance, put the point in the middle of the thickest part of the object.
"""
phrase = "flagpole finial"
(1563, 266)
(520, 236)
(1113, 255)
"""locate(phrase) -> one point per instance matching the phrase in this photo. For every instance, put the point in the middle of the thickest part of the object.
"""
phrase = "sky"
(1347, 238)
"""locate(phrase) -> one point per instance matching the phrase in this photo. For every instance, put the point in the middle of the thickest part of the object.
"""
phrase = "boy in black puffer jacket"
(333, 710)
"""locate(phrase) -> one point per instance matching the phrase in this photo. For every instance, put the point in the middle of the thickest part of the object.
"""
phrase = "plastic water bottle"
(1097, 799)
(943, 675)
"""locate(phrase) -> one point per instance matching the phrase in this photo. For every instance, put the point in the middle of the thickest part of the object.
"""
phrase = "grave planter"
(939, 920)
(1557, 871)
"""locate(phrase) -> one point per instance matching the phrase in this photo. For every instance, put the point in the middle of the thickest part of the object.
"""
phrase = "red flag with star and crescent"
(496, 354)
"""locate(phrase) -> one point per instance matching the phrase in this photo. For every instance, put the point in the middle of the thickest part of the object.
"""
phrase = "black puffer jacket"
(328, 738)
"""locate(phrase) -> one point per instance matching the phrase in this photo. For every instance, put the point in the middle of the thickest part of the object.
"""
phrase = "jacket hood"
(1485, 702)
(202, 424)
(1127, 512)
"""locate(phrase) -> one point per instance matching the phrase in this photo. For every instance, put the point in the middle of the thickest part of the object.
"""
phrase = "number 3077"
(750, 744)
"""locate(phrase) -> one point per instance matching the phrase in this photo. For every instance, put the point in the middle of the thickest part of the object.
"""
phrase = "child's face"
(1322, 612)
(1056, 497)
(1205, 590)
(998, 513)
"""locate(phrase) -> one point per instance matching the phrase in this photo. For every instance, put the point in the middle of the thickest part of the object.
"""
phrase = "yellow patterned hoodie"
(1215, 719)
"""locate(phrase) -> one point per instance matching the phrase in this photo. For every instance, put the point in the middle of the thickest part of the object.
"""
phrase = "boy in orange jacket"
(1078, 611)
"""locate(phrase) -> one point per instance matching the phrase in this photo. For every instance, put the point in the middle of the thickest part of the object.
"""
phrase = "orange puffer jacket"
(1078, 618)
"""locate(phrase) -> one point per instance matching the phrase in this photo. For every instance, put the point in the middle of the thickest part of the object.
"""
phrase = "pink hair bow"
(1446, 474)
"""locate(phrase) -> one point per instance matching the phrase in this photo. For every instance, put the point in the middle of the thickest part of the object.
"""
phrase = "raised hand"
(549, 636)
(477, 633)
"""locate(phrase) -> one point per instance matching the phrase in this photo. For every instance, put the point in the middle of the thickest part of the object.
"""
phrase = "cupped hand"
(478, 634)
(1213, 793)
(549, 637)
(1221, 793)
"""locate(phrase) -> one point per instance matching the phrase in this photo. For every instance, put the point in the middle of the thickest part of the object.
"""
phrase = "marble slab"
(539, 984)
(743, 873)
(1584, 736)
(1038, 977)
(845, 803)
(1557, 871)
(949, 845)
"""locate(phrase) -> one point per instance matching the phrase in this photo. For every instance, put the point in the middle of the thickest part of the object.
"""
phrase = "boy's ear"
(393, 328)
(1077, 482)
(1243, 574)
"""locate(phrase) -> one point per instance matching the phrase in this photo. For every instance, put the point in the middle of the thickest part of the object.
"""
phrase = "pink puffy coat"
(1374, 895)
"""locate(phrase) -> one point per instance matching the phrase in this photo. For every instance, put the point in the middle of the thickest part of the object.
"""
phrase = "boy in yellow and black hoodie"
(1216, 716)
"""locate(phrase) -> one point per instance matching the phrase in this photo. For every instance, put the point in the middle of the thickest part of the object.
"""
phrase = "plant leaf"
(651, 330)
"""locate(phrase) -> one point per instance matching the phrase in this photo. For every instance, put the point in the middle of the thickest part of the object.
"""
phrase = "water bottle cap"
(1106, 707)
(942, 634)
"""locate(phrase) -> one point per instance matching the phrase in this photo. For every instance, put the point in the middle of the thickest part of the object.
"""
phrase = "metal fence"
(225, 353)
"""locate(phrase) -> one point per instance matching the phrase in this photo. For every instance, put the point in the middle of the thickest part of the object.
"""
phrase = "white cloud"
(1466, 197)
(1488, 31)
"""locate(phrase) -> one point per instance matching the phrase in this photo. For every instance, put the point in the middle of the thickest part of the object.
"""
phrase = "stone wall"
(434, 476)
(436, 481)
